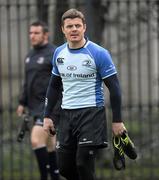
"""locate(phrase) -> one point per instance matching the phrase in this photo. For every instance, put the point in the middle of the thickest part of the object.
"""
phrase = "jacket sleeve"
(23, 94)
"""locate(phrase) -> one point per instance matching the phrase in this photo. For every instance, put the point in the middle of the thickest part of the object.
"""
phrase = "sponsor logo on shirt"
(60, 60)
(71, 68)
(74, 75)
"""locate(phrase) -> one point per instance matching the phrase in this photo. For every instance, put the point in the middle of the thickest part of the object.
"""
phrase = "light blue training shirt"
(82, 71)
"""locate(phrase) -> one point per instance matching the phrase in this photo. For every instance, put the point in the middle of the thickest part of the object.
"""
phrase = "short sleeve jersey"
(82, 71)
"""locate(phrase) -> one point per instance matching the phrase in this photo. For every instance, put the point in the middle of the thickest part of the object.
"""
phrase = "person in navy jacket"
(38, 68)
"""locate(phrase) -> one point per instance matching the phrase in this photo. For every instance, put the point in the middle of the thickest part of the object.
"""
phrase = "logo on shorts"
(91, 152)
(84, 139)
(57, 145)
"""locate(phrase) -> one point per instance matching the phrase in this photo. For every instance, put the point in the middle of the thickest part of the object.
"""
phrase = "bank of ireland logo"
(71, 68)
(60, 60)
(87, 63)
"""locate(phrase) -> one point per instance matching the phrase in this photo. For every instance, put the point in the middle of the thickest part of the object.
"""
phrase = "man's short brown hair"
(73, 13)
(44, 26)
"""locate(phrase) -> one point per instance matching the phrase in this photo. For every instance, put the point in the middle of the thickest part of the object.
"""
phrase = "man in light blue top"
(80, 67)
(81, 71)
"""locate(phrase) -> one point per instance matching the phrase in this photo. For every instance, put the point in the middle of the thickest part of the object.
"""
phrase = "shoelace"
(117, 145)
(126, 140)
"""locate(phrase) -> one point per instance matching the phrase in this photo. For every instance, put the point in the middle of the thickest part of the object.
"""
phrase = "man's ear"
(62, 29)
(46, 35)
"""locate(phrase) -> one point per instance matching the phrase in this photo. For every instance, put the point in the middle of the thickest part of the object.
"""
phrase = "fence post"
(42, 10)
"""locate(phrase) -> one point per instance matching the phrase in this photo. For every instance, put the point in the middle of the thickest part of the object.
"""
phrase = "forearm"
(53, 93)
(115, 97)
(23, 94)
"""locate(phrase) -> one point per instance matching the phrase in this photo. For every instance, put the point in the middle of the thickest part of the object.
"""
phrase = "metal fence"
(130, 31)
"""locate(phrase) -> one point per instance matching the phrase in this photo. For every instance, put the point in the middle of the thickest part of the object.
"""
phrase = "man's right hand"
(48, 126)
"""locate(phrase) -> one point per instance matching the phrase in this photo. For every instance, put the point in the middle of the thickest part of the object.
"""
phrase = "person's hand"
(20, 110)
(48, 126)
(118, 128)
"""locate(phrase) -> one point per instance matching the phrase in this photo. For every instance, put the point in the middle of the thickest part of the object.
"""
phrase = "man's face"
(73, 30)
(37, 36)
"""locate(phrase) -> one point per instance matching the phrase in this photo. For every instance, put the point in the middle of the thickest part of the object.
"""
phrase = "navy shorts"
(38, 119)
(82, 127)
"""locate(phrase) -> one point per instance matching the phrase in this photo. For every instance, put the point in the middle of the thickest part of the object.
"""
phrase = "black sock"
(42, 159)
(54, 170)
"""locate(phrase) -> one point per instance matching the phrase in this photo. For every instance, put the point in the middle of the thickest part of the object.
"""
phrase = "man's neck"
(39, 46)
(77, 45)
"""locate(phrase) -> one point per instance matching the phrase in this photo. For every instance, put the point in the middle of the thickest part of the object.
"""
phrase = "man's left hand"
(118, 128)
